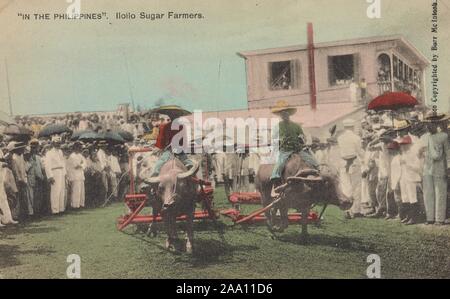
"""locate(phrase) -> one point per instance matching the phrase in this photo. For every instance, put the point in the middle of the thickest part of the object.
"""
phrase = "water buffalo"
(176, 194)
(301, 187)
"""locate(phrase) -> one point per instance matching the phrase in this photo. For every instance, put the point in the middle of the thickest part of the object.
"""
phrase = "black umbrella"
(16, 130)
(111, 137)
(53, 129)
(77, 134)
(127, 136)
(89, 136)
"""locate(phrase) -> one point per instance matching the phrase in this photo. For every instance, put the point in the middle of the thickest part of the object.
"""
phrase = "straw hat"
(401, 124)
(433, 116)
(283, 106)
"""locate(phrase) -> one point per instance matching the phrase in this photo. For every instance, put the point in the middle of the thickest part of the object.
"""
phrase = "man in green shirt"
(290, 138)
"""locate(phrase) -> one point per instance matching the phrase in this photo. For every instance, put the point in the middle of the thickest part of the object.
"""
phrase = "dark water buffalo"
(175, 192)
(302, 187)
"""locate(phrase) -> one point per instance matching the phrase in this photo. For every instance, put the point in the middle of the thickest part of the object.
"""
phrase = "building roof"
(348, 42)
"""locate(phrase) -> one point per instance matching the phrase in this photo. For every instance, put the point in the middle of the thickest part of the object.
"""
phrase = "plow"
(136, 202)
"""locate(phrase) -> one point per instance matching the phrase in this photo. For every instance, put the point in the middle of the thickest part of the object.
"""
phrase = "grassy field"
(337, 249)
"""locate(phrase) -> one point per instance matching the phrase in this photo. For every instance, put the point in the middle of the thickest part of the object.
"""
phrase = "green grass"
(337, 249)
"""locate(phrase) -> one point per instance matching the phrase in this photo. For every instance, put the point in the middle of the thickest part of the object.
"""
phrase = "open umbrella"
(14, 130)
(88, 136)
(76, 135)
(111, 137)
(393, 101)
(53, 129)
(173, 111)
(127, 136)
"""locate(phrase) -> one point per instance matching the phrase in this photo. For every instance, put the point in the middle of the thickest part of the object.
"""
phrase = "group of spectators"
(50, 175)
(394, 166)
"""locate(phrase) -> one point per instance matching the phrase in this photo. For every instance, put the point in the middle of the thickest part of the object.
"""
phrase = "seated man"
(164, 142)
(289, 136)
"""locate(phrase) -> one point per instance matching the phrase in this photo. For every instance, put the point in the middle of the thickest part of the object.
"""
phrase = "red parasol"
(393, 101)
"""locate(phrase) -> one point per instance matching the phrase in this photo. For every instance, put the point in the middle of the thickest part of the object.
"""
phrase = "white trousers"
(58, 191)
(408, 190)
(77, 194)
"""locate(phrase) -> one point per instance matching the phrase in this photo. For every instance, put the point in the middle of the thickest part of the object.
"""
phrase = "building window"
(342, 70)
(283, 75)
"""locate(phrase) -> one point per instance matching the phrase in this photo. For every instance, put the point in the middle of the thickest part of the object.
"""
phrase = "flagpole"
(8, 88)
(129, 82)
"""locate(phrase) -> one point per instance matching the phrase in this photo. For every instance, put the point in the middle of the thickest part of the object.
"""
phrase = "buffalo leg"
(156, 210)
(189, 232)
(170, 225)
(304, 234)
(284, 217)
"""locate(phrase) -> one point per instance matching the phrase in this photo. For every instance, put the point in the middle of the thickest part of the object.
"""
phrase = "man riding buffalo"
(290, 139)
(296, 180)
(172, 189)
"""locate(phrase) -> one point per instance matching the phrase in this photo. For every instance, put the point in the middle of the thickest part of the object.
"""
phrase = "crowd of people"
(52, 174)
(395, 167)
(392, 166)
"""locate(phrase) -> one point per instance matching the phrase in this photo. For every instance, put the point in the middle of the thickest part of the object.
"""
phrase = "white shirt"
(54, 159)
(114, 164)
(101, 155)
(411, 166)
(75, 167)
(349, 144)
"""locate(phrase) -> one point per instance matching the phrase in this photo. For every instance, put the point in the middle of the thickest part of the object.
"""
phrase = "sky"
(74, 65)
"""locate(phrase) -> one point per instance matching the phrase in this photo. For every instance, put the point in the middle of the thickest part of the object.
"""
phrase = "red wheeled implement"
(254, 198)
(136, 202)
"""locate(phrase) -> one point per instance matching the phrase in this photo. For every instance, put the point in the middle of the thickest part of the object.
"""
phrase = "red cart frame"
(136, 202)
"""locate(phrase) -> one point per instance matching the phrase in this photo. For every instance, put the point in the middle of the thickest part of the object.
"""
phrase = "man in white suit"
(435, 169)
(350, 169)
(75, 174)
(55, 169)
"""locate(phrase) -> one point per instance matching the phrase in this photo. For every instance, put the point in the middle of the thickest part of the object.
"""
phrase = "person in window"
(363, 87)
(353, 88)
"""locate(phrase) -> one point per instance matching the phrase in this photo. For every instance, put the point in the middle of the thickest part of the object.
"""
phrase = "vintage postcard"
(224, 139)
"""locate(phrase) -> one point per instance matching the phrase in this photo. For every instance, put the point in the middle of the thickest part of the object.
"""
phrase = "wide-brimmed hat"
(283, 106)
(401, 124)
(433, 116)
(172, 111)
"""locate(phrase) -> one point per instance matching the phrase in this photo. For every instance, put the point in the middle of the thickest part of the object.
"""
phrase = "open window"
(283, 75)
(342, 69)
